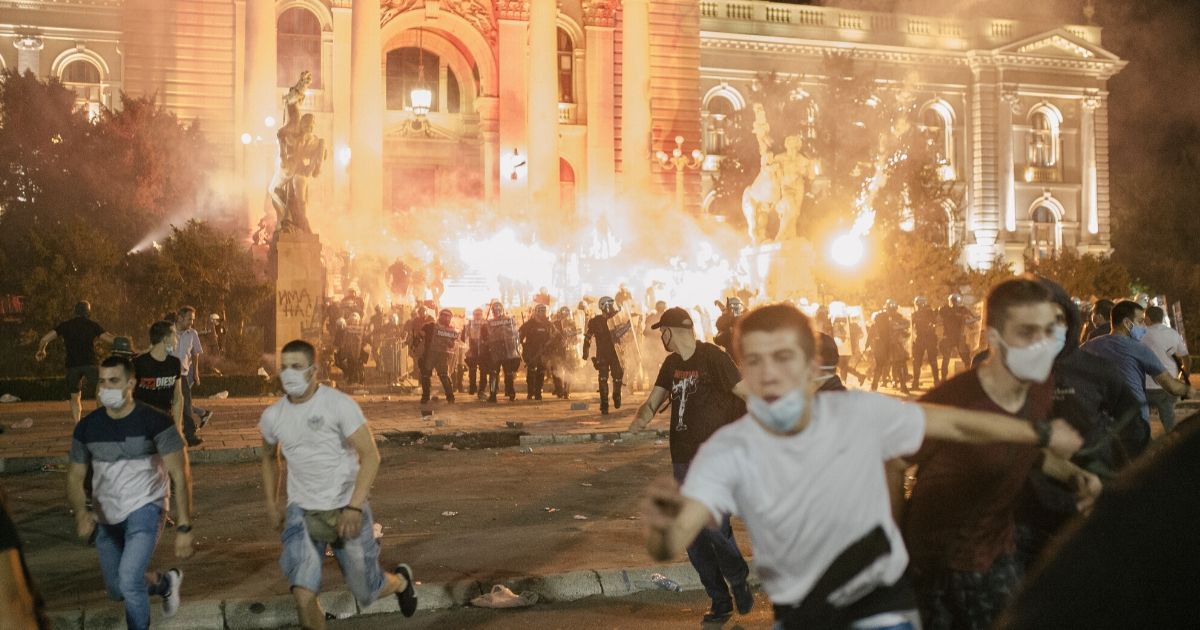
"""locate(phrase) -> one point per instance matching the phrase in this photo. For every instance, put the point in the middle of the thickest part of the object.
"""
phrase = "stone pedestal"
(299, 290)
(783, 268)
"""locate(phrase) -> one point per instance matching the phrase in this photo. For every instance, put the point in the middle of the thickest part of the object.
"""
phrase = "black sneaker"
(617, 399)
(205, 417)
(407, 597)
(743, 597)
(719, 613)
(193, 441)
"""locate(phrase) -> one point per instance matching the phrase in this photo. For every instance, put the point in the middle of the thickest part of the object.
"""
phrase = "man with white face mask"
(137, 454)
(331, 463)
(807, 475)
(959, 523)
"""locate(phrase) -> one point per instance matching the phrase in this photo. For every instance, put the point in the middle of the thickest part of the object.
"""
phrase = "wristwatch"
(184, 529)
(1043, 434)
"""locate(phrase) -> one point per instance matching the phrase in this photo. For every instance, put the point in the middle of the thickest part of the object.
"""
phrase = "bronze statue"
(780, 185)
(301, 154)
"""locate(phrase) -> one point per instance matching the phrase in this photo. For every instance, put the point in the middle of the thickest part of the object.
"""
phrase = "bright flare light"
(269, 121)
(847, 250)
(247, 138)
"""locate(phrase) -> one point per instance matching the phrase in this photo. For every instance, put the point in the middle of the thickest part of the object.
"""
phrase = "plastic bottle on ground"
(665, 583)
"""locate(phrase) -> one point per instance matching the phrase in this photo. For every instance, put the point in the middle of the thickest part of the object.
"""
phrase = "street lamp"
(681, 163)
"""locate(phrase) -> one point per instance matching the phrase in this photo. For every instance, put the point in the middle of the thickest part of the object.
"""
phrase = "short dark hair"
(1125, 309)
(1010, 294)
(1155, 314)
(184, 310)
(303, 347)
(776, 317)
(116, 360)
(1104, 308)
(159, 330)
(83, 308)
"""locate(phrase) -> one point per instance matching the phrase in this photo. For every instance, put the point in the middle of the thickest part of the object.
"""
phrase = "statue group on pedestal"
(779, 188)
(301, 154)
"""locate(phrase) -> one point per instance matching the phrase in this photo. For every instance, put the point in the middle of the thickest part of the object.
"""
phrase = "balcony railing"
(727, 14)
(568, 113)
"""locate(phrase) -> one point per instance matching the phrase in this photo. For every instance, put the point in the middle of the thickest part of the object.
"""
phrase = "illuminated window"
(937, 122)
(1045, 236)
(404, 73)
(566, 68)
(1045, 124)
(298, 47)
(83, 78)
(720, 109)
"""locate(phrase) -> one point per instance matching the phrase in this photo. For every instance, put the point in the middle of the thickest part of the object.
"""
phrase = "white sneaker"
(170, 602)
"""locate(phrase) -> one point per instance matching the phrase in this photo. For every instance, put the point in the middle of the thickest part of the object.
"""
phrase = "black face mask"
(666, 339)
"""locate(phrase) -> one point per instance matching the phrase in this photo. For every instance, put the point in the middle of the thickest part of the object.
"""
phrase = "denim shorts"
(358, 558)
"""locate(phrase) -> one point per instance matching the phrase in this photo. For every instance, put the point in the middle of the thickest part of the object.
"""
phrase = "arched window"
(404, 73)
(298, 47)
(1045, 124)
(937, 122)
(1045, 235)
(83, 78)
(720, 109)
(566, 67)
(566, 188)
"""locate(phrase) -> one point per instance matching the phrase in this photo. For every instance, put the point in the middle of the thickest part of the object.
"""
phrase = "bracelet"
(351, 507)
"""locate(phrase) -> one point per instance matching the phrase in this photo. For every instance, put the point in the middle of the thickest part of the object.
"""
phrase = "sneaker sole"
(175, 587)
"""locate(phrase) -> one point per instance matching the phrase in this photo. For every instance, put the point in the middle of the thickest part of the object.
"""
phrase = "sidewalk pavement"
(233, 434)
(280, 611)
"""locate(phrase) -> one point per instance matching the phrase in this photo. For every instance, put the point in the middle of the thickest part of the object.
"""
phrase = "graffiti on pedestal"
(294, 304)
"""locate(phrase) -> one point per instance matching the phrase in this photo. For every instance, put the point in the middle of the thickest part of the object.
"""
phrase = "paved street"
(660, 610)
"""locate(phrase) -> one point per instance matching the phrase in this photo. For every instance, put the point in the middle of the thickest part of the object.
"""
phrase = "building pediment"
(1060, 44)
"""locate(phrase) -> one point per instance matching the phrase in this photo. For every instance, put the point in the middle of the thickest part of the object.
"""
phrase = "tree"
(1084, 276)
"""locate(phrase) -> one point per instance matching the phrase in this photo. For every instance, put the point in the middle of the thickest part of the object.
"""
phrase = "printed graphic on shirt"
(683, 384)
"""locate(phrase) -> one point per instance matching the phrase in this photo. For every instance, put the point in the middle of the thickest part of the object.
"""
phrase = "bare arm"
(181, 478)
(351, 520)
(269, 456)
(84, 522)
(1086, 485)
(177, 404)
(646, 412)
(979, 427)
(673, 520)
(16, 602)
(1172, 384)
(45, 341)
(107, 338)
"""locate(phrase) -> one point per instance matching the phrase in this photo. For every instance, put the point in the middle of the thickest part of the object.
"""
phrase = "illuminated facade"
(563, 104)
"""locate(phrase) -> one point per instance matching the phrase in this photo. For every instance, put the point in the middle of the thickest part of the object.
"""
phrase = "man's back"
(1166, 344)
(79, 336)
(1135, 362)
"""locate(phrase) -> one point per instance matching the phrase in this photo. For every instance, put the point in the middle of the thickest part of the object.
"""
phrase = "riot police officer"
(607, 331)
(924, 348)
(500, 340)
(477, 359)
(438, 339)
(955, 320)
(564, 352)
(729, 316)
(534, 336)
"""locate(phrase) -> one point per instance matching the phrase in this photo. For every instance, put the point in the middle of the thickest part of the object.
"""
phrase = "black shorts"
(75, 376)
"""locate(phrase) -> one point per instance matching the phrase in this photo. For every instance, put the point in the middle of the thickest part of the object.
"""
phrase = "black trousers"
(603, 370)
(509, 366)
(925, 350)
(954, 346)
(477, 372)
(428, 367)
(535, 377)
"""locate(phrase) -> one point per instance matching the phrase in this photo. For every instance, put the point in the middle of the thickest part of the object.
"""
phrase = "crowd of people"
(864, 510)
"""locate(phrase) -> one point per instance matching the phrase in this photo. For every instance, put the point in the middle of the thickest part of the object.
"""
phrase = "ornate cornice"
(28, 42)
(1092, 101)
(512, 10)
(392, 8)
(476, 12)
(813, 49)
(600, 13)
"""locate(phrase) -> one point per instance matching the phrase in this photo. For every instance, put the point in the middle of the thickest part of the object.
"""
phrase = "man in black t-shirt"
(704, 389)
(79, 335)
(159, 374)
(23, 606)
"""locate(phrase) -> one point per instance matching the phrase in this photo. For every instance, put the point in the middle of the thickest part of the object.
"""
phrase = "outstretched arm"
(978, 427)
(673, 520)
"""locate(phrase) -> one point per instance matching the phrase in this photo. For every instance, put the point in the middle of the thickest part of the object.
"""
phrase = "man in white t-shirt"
(331, 463)
(806, 473)
(1172, 351)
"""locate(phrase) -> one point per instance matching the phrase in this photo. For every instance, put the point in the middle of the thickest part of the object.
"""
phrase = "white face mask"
(781, 416)
(112, 399)
(295, 383)
(1032, 363)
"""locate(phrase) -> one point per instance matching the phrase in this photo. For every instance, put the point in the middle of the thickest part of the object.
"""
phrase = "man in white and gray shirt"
(188, 350)
(332, 461)
(1172, 351)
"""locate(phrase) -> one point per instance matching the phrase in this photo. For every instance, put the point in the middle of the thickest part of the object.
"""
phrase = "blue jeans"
(125, 552)
(358, 558)
(715, 556)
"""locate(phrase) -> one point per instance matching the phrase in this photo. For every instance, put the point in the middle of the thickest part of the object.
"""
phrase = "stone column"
(366, 111)
(513, 20)
(338, 88)
(29, 54)
(543, 108)
(1008, 106)
(1087, 132)
(260, 106)
(489, 129)
(599, 20)
(1103, 211)
(635, 97)
(983, 219)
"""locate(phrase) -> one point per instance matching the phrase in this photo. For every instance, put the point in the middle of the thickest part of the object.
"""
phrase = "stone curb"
(12, 465)
(280, 611)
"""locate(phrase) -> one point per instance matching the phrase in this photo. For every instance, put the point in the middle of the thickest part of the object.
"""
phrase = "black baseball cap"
(674, 317)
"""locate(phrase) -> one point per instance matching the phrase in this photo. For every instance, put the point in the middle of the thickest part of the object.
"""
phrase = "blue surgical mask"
(781, 416)
(1060, 333)
(1137, 332)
